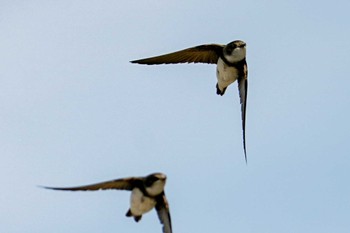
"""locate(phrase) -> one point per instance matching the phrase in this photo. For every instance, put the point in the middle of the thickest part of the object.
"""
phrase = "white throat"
(156, 188)
(238, 54)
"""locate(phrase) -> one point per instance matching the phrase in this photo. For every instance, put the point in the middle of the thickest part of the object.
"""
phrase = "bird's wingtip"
(51, 188)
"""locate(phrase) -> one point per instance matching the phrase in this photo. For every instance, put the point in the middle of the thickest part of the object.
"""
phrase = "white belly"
(225, 74)
(140, 204)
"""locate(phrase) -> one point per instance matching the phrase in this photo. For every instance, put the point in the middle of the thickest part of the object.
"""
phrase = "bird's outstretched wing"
(243, 91)
(121, 184)
(163, 212)
(208, 53)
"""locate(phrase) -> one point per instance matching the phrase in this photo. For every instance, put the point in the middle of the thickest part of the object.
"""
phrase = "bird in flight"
(146, 193)
(230, 63)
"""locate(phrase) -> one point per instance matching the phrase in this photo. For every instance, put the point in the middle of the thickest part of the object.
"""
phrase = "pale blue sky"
(74, 111)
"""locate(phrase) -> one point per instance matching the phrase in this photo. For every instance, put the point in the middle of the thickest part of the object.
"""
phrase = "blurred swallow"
(146, 193)
(230, 63)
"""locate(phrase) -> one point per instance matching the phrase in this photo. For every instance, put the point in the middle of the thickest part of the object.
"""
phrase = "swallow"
(230, 63)
(146, 193)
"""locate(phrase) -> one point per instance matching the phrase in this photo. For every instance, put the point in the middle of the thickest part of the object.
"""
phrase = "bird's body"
(225, 75)
(230, 63)
(143, 198)
(140, 204)
(146, 193)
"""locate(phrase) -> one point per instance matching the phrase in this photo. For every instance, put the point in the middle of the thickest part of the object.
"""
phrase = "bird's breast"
(225, 74)
(139, 203)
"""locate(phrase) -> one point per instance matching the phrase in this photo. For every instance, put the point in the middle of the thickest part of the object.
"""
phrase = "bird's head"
(235, 51)
(154, 183)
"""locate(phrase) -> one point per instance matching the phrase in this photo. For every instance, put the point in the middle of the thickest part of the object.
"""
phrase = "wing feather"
(163, 212)
(121, 184)
(209, 53)
(243, 91)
